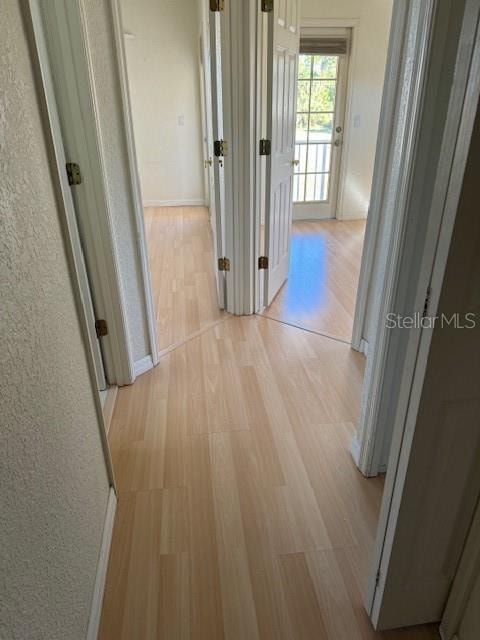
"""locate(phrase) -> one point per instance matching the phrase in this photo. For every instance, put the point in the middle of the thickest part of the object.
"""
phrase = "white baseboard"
(143, 365)
(364, 347)
(359, 215)
(194, 202)
(355, 451)
(102, 567)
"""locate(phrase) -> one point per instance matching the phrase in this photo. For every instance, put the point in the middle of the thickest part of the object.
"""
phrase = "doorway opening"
(339, 93)
(169, 77)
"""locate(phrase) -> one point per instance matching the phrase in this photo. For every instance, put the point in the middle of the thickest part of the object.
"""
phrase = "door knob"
(337, 142)
(295, 163)
(208, 163)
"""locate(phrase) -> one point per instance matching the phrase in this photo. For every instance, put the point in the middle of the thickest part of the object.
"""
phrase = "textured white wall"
(163, 69)
(372, 36)
(53, 480)
(105, 70)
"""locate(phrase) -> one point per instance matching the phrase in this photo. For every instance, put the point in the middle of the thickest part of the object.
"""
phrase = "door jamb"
(448, 184)
(73, 53)
(366, 446)
(134, 178)
(32, 21)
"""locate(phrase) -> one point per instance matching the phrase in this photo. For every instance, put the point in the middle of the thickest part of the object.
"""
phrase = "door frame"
(134, 179)
(446, 190)
(51, 129)
(71, 51)
(352, 24)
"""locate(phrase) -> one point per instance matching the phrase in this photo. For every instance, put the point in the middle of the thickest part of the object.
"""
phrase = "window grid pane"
(314, 135)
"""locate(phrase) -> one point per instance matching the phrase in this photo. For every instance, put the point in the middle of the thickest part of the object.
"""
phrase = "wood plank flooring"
(181, 264)
(321, 289)
(241, 515)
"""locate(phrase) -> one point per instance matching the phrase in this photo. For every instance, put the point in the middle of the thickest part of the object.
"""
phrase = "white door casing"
(208, 95)
(217, 133)
(283, 47)
(433, 481)
(69, 206)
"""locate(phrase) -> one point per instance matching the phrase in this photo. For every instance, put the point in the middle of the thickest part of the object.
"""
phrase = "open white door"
(283, 49)
(214, 106)
(68, 202)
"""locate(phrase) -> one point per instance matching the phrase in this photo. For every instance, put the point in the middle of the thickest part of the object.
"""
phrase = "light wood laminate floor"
(240, 513)
(321, 289)
(181, 263)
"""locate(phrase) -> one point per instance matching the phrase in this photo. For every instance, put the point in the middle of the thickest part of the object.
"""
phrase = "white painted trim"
(102, 568)
(238, 33)
(385, 129)
(462, 110)
(135, 190)
(70, 53)
(193, 202)
(35, 33)
(371, 430)
(364, 347)
(143, 365)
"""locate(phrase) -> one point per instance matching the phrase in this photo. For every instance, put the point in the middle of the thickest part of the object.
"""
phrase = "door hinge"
(102, 328)
(265, 147)
(217, 5)
(427, 301)
(223, 264)
(377, 578)
(267, 6)
(263, 262)
(220, 148)
(73, 173)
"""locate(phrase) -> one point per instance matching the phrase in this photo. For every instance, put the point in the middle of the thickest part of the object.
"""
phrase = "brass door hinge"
(220, 148)
(267, 6)
(73, 173)
(263, 262)
(217, 5)
(102, 328)
(265, 147)
(223, 264)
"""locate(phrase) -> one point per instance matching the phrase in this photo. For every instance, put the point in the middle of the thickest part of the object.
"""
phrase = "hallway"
(240, 513)
(181, 263)
(321, 289)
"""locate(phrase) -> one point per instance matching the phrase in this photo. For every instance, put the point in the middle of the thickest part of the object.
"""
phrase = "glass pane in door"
(317, 91)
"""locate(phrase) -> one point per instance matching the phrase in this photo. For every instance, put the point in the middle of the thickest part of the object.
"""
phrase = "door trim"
(134, 179)
(70, 50)
(448, 181)
(32, 21)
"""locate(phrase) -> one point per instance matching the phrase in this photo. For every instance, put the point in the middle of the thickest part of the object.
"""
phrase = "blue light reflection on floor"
(306, 289)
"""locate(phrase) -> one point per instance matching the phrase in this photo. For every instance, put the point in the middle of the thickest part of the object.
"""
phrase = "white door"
(207, 69)
(217, 204)
(322, 75)
(283, 63)
(70, 213)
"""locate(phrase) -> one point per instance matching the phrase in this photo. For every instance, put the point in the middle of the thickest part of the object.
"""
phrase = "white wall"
(371, 41)
(113, 146)
(53, 479)
(163, 68)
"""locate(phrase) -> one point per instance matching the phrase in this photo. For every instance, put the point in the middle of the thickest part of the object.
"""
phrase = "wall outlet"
(357, 120)
(181, 121)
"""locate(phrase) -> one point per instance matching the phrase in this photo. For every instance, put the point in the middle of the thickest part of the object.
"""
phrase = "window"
(317, 90)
